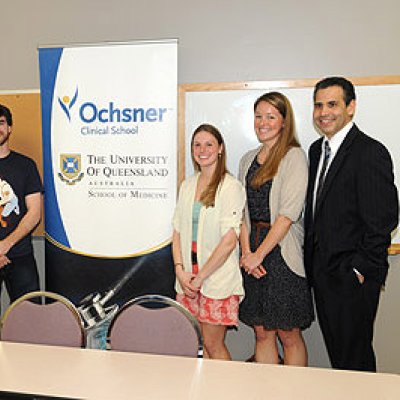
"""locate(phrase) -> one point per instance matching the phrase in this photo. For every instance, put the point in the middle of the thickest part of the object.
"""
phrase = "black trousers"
(20, 276)
(346, 312)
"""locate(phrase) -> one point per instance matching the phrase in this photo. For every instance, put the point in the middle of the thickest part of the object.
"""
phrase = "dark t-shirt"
(19, 177)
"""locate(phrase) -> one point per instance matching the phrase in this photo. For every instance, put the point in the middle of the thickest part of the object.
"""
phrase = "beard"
(4, 139)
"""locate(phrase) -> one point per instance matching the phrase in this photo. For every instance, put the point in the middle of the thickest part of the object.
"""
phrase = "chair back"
(155, 324)
(33, 319)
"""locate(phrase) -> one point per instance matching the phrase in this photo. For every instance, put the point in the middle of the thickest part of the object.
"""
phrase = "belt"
(258, 225)
(194, 257)
(195, 265)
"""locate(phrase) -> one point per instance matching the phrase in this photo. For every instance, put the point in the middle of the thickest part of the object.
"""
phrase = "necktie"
(321, 179)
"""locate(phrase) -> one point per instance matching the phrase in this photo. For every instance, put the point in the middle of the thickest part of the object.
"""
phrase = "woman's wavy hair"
(286, 140)
(208, 196)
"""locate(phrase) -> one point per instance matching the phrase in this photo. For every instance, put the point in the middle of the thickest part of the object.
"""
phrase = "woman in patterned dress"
(206, 224)
(277, 300)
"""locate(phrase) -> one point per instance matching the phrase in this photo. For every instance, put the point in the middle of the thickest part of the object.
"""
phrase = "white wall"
(227, 40)
(219, 40)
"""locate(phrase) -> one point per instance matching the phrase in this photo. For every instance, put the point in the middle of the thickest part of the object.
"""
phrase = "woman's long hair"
(286, 139)
(208, 196)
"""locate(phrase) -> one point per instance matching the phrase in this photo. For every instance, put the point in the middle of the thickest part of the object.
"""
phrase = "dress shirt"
(334, 143)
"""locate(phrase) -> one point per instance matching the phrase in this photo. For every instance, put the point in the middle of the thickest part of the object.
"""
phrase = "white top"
(214, 223)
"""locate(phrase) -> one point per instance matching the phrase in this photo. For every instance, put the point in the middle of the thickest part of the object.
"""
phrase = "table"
(99, 374)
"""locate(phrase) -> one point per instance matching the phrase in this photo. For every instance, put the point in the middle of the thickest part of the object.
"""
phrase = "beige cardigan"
(286, 198)
(214, 222)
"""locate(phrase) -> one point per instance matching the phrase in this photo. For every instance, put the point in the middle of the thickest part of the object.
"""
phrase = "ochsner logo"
(67, 103)
(111, 112)
(109, 117)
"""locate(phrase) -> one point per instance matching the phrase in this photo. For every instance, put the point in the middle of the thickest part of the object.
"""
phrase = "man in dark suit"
(351, 210)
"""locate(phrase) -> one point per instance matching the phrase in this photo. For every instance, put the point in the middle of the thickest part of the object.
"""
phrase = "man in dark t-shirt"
(20, 212)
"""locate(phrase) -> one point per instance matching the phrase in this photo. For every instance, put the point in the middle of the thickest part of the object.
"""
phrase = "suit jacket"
(357, 210)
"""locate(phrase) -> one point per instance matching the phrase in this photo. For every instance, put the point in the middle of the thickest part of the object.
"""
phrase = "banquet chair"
(43, 318)
(155, 324)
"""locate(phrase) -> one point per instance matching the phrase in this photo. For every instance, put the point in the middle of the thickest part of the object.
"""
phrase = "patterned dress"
(281, 299)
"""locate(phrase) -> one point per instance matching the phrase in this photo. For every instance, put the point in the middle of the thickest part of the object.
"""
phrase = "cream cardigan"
(286, 198)
(214, 222)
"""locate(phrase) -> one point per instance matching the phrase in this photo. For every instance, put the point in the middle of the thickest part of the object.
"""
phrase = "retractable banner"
(109, 119)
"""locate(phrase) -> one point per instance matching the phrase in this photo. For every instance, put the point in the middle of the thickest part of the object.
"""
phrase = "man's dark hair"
(5, 112)
(346, 85)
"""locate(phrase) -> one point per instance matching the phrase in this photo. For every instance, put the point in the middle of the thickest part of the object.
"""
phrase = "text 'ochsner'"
(89, 113)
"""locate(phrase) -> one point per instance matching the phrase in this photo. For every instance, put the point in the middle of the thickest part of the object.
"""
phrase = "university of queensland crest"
(70, 168)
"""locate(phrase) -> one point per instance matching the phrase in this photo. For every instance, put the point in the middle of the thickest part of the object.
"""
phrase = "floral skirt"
(212, 311)
(207, 310)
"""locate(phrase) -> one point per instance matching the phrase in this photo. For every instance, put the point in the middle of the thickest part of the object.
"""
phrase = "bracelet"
(178, 264)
